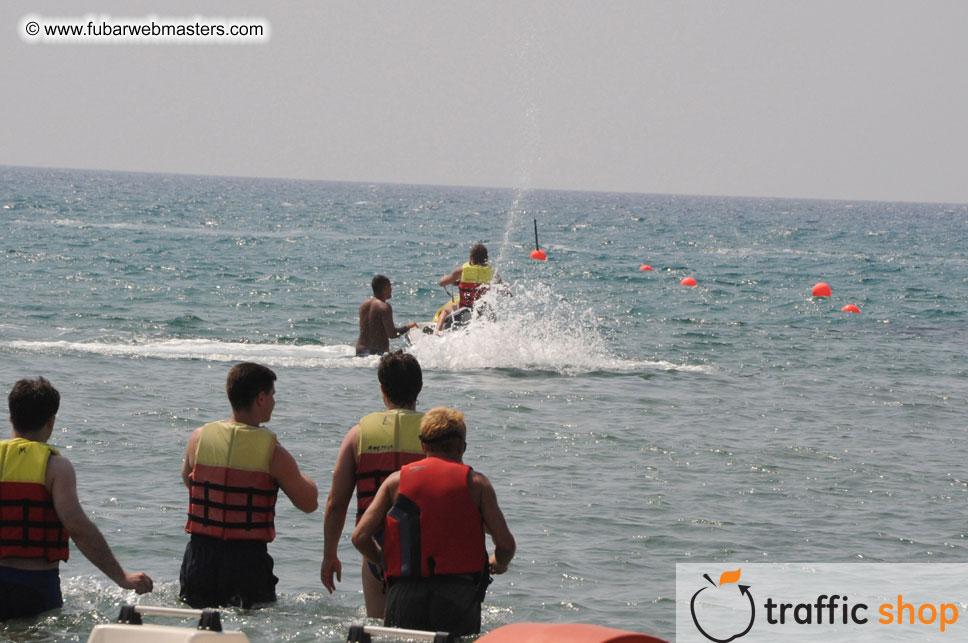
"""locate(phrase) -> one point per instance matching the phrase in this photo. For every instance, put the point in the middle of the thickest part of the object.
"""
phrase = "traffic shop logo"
(728, 592)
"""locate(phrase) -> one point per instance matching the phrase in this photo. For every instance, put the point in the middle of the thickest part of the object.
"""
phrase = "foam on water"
(518, 341)
(535, 330)
(284, 355)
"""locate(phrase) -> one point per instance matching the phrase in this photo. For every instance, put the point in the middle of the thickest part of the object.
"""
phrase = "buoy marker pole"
(537, 253)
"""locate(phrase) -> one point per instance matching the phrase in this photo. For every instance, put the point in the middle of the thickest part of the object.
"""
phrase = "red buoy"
(688, 281)
(537, 253)
(850, 308)
(821, 290)
(645, 266)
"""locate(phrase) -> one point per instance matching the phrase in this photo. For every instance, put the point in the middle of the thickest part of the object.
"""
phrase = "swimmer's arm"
(334, 518)
(299, 487)
(495, 524)
(189, 462)
(373, 518)
(62, 483)
(452, 278)
(392, 331)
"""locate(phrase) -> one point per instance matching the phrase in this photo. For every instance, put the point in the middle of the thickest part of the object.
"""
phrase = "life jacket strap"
(230, 489)
(208, 522)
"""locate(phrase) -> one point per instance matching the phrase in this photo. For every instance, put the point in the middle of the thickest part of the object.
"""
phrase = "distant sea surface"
(628, 422)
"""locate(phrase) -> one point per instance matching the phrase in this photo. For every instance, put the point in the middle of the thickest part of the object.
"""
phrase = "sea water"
(627, 422)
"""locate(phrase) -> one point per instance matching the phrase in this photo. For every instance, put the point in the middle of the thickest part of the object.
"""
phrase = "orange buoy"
(821, 290)
(537, 253)
(688, 281)
(850, 308)
(645, 266)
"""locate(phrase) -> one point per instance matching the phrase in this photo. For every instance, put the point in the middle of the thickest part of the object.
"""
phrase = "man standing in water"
(39, 509)
(233, 470)
(376, 320)
(434, 513)
(472, 281)
(380, 444)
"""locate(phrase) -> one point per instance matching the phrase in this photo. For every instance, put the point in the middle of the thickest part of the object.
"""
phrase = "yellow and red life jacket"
(434, 527)
(232, 495)
(386, 441)
(29, 526)
(473, 283)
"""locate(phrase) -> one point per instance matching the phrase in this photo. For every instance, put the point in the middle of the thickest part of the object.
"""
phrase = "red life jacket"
(385, 442)
(29, 526)
(232, 496)
(473, 283)
(434, 527)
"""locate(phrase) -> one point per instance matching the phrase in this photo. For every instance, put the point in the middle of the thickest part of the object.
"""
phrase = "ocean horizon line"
(510, 189)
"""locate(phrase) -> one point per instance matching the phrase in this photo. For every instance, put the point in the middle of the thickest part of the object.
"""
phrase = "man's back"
(379, 444)
(233, 471)
(40, 509)
(31, 528)
(386, 440)
(232, 494)
(373, 333)
(435, 506)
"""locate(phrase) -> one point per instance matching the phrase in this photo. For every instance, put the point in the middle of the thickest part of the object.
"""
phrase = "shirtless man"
(376, 320)
(39, 491)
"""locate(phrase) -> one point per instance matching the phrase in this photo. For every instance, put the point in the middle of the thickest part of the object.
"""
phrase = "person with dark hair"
(433, 514)
(472, 280)
(376, 320)
(39, 510)
(380, 444)
(246, 381)
(233, 470)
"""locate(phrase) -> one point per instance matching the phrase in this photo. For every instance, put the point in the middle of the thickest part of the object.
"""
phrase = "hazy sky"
(814, 98)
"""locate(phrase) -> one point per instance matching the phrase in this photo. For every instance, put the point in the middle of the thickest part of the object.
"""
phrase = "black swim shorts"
(437, 604)
(25, 592)
(216, 573)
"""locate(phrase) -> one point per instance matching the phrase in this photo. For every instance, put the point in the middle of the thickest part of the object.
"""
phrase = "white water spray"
(535, 329)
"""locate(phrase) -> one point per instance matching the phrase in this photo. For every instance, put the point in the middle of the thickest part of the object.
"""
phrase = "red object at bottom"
(564, 633)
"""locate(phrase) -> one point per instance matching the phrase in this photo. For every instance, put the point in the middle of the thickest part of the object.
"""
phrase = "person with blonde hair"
(434, 513)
